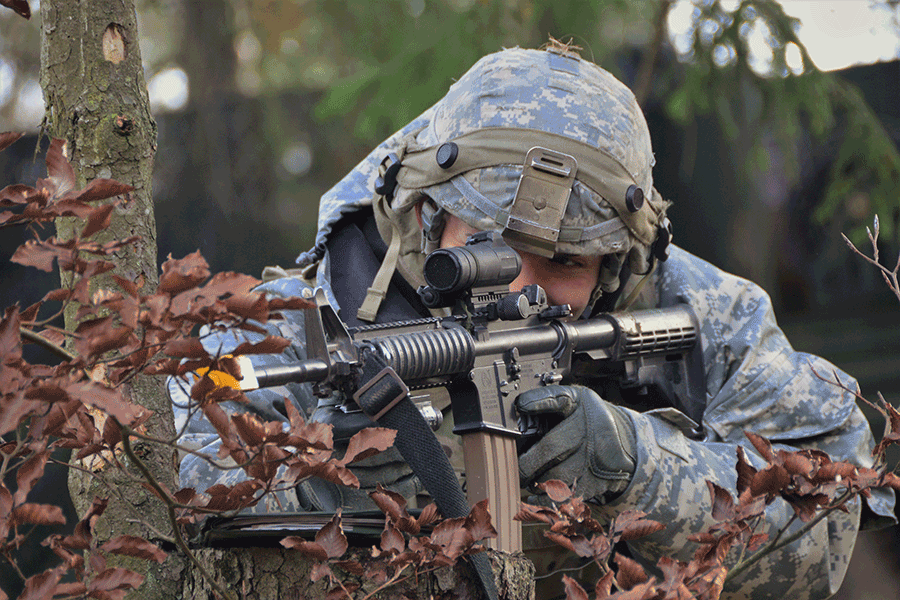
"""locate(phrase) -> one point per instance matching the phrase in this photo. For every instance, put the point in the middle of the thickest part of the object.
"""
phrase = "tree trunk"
(263, 573)
(96, 100)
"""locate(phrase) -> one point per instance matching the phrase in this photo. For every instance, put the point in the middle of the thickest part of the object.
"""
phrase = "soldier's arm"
(267, 404)
(755, 382)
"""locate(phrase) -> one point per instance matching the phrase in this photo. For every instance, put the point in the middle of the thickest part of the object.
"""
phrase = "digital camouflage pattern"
(754, 381)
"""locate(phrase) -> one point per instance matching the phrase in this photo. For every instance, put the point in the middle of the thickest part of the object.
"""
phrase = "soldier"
(455, 170)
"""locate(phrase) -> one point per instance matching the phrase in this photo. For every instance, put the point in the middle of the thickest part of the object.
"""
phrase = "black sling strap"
(384, 397)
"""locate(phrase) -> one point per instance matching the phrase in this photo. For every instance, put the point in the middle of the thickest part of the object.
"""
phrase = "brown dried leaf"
(644, 591)
(115, 579)
(9, 137)
(574, 591)
(112, 433)
(711, 583)
(83, 534)
(294, 417)
(47, 391)
(430, 514)
(556, 490)
(479, 522)
(756, 541)
(806, 506)
(834, 470)
(70, 590)
(250, 429)
(186, 348)
(38, 254)
(630, 574)
(100, 338)
(771, 480)
(319, 571)
(392, 540)
(183, 274)
(101, 189)
(16, 194)
(185, 495)
(98, 220)
(41, 586)
(603, 587)
(37, 514)
(391, 504)
(703, 538)
(451, 536)
(745, 471)
(368, 442)
(109, 400)
(10, 341)
(306, 548)
(224, 426)
(635, 528)
(229, 283)
(573, 543)
(271, 345)
(796, 463)
(249, 306)
(762, 445)
(129, 545)
(529, 513)
(331, 537)
(722, 502)
(29, 473)
(290, 304)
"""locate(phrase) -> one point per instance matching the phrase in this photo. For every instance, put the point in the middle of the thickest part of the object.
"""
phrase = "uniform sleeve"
(755, 381)
(201, 437)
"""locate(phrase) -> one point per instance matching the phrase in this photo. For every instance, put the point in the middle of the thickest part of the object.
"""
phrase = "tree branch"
(170, 506)
(38, 339)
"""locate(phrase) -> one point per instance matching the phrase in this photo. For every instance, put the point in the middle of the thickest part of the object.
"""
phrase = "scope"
(485, 260)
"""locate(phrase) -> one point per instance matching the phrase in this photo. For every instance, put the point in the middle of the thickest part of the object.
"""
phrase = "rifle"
(493, 346)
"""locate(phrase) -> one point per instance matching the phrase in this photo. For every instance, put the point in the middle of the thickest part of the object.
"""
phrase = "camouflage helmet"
(470, 156)
(517, 113)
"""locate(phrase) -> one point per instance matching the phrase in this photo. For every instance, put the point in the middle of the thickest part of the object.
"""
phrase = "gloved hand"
(593, 446)
(387, 468)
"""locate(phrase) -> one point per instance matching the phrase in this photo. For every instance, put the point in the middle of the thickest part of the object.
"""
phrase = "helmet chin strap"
(433, 221)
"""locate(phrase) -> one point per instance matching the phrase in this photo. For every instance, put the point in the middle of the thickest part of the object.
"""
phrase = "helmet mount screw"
(634, 198)
(446, 155)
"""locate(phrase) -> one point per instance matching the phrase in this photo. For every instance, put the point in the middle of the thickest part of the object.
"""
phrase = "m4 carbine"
(493, 346)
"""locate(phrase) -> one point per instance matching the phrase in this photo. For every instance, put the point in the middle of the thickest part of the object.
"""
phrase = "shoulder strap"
(385, 398)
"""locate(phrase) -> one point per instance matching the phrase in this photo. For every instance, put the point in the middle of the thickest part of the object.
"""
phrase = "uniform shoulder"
(684, 277)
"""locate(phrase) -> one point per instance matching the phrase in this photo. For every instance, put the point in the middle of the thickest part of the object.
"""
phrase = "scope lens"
(442, 270)
(449, 270)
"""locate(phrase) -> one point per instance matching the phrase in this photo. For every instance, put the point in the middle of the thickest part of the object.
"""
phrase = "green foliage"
(783, 100)
(864, 178)
(381, 64)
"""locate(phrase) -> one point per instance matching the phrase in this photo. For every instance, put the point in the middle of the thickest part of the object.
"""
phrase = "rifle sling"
(384, 395)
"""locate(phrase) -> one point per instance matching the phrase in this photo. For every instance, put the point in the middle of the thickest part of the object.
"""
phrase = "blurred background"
(776, 128)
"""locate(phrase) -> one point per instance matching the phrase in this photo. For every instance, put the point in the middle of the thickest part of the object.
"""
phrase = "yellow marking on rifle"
(223, 379)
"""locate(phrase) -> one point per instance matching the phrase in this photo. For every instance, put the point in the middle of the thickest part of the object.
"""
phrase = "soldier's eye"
(568, 260)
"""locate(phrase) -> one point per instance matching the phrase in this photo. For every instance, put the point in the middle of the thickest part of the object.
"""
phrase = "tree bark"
(96, 100)
(263, 573)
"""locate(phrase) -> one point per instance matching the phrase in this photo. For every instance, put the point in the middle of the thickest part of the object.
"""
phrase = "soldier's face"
(567, 279)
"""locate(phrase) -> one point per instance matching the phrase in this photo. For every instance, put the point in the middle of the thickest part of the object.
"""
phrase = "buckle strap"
(384, 395)
(382, 392)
